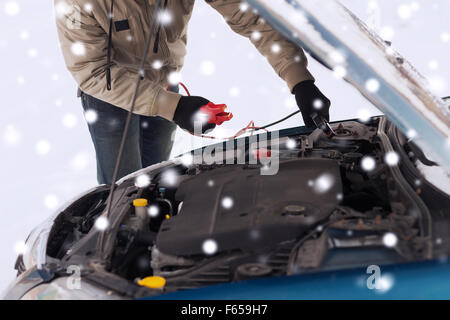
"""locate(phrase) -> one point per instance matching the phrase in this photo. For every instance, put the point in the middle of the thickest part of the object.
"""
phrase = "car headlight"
(36, 243)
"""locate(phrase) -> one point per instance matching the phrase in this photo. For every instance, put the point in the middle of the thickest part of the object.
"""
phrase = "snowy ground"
(46, 152)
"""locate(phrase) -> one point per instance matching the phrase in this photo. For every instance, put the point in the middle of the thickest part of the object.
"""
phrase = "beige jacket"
(83, 27)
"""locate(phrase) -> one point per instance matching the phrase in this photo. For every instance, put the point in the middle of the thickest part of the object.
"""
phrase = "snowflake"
(142, 181)
(101, 223)
(42, 147)
(24, 35)
(208, 68)
(291, 144)
(78, 48)
(170, 177)
(157, 64)
(368, 163)
(437, 84)
(12, 136)
(227, 202)
(91, 116)
(390, 240)
(12, 8)
(165, 17)
(80, 161)
(20, 247)
(318, 104)
(433, 64)
(364, 115)
(387, 33)
(243, 6)
(20, 80)
(339, 72)
(70, 120)
(51, 201)
(187, 159)
(234, 92)
(33, 53)
(210, 247)
(385, 283)
(153, 211)
(404, 11)
(323, 183)
(411, 134)
(256, 35)
(88, 7)
(290, 102)
(337, 57)
(372, 85)
(391, 158)
(174, 78)
(276, 48)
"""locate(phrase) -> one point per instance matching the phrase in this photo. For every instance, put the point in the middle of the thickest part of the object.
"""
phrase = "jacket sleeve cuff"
(165, 104)
(295, 73)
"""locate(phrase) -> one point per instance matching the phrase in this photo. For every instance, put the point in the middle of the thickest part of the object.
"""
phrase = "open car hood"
(341, 41)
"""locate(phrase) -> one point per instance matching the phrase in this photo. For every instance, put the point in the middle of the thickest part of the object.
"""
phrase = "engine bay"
(218, 223)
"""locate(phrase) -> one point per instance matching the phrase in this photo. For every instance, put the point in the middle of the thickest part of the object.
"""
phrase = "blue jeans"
(149, 141)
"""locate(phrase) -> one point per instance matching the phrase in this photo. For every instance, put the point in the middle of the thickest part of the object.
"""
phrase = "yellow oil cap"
(153, 282)
(167, 217)
(140, 202)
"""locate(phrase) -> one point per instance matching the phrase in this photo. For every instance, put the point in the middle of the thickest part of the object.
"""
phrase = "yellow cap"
(140, 202)
(167, 217)
(153, 282)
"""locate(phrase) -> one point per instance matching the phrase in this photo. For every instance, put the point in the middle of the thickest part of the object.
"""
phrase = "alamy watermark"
(260, 149)
(73, 281)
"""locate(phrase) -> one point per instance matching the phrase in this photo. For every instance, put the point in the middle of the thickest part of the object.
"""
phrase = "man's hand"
(188, 113)
(309, 100)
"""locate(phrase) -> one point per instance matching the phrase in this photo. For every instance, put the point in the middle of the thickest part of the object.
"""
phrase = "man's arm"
(84, 46)
(288, 60)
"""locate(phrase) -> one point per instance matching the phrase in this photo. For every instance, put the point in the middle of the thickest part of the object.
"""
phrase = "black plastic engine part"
(261, 213)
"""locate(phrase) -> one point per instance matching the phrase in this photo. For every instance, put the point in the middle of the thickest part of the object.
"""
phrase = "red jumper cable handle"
(216, 113)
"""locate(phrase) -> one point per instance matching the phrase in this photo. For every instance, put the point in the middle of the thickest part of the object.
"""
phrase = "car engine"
(218, 223)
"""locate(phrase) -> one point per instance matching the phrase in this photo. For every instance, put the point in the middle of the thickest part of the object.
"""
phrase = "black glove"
(309, 100)
(187, 113)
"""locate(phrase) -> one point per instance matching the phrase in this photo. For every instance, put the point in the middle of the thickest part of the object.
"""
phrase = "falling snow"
(55, 102)
(390, 240)
(170, 177)
(101, 223)
(153, 211)
(142, 181)
(368, 163)
(227, 202)
(323, 183)
(391, 158)
(291, 144)
(210, 247)
(91, 116)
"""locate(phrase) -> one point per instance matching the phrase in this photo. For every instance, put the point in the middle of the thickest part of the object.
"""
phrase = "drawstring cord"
(156, 44)
(108, 63)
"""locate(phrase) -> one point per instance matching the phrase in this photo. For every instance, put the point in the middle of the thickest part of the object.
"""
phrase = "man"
(104, 55)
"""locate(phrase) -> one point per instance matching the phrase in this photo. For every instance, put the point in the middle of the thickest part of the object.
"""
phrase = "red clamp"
(216, 113)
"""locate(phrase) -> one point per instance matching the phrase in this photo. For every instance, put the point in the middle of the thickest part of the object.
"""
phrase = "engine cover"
(264, 211)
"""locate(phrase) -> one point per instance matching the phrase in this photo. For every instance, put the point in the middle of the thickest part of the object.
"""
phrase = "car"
(289, 214)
